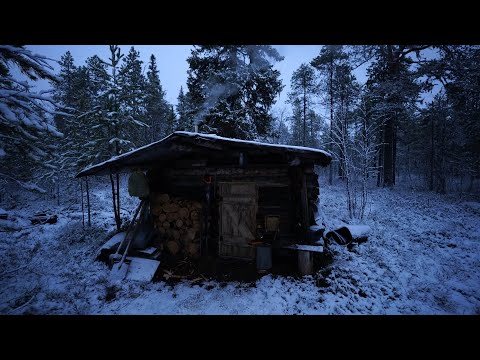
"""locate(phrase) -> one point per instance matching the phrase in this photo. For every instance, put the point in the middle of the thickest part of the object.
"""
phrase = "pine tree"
(94, 133)
(171, 120)
(396, 85)
(26, 117)
(232, 89)
(304, 86)
(156, 106)
(131, 83)
(185, 122)
(296, 121)
(327, 63)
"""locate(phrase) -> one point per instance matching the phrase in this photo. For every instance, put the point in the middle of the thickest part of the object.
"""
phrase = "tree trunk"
(118, 197)
(442, 173)
(390, 124)
(83, 211)
(343, 125)
(330, 175)
(88, 202)
(432, 154)
(58, 194)
(388, 153)
(116, 212)
(380, 159)
(304, 113)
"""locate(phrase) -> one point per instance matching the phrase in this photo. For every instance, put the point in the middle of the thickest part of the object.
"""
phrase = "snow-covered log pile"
(177, 220)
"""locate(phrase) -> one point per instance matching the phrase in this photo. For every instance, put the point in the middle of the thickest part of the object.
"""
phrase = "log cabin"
(216, 196)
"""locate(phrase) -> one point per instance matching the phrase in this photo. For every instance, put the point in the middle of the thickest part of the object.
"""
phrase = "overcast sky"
(172, 64)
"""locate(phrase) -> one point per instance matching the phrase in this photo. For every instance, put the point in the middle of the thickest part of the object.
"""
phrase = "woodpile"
(177, 220)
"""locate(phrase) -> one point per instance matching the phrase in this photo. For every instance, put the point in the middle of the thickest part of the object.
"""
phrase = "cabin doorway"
(238, 212)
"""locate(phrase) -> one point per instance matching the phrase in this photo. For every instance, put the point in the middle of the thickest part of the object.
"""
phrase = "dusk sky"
(172, 64)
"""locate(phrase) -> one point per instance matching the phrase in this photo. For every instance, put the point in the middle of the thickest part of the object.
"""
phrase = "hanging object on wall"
(138, 185)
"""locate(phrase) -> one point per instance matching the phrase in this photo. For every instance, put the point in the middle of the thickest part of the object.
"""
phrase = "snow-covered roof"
(162, 150)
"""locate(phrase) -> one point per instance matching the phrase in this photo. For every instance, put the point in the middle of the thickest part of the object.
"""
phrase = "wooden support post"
(305, 263)
(83, 211)
(88, 201)
(304, 202)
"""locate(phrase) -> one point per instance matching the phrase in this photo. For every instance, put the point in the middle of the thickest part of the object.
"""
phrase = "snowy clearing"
(422, 257)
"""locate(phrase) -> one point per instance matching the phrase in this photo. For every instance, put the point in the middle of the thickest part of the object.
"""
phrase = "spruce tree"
(26, 117)
(232, 89)
(132, 92)
(304, 86)
(156, 107)
(327, 64)
(185, 122)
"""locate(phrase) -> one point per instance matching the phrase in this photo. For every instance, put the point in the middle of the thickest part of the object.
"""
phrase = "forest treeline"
(386, 127)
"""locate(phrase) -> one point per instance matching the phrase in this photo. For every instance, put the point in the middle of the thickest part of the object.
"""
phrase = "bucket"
(264, 257)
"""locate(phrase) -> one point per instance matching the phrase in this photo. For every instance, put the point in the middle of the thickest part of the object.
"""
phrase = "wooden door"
(238, 211)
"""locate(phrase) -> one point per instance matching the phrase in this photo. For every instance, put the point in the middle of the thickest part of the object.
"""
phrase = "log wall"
(279, 192)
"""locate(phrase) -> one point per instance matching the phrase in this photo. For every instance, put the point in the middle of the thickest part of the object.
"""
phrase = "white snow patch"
(142, 269)
(422, 257)
(216, 137)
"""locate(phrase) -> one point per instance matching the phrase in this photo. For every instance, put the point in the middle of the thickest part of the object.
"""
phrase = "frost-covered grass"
(422, 257)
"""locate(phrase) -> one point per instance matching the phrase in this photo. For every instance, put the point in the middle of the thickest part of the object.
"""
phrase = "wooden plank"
(301, 247)
(238, 210)
(226, 170)
(149, 251)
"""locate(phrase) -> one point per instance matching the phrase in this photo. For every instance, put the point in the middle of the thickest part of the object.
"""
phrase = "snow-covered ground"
(422, 257)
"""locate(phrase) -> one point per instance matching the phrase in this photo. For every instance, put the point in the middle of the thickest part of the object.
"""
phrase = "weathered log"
(172, 216)
(190, 234)
(196, 205)
(179, 223)
(162, 198)
(173, 247)
(166, 225)
(194, 215)
(171, 207)
(196, 226)
(162, 217)
(193, 250)
(155, 210)
(183, 212)
(176, 234)
(349, 233)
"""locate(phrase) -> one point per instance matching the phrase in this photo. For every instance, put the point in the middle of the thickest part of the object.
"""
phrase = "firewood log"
(197, 205)
(194, 215)
(183, 212)
(193, 249)
(176, 234)
(163, 198)
(190, 235)
(173, 247)
(171, 207)
(172, 216)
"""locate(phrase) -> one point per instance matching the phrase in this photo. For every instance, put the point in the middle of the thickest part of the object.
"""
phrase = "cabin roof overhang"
(180, 143)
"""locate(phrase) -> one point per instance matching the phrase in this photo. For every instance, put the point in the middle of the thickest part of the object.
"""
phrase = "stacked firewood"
(178, 222)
